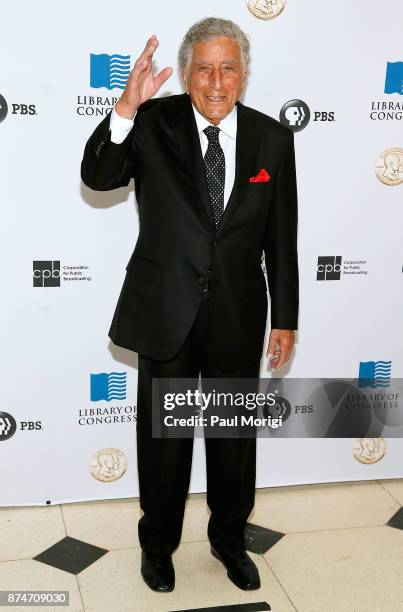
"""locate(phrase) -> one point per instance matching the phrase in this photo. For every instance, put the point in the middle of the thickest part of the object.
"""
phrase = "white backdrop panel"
(54, 338)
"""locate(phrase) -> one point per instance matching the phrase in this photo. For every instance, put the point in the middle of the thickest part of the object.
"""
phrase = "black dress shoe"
(158, 572)
(241, 570)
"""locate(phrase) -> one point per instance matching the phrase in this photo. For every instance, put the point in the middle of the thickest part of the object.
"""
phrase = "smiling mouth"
(215, 98)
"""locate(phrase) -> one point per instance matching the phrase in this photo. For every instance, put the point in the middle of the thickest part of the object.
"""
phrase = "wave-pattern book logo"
(108, 387)
(374, 374)
(394, 78)
(109, 71)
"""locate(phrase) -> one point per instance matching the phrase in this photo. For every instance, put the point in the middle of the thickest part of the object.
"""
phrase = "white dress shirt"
(120, 127)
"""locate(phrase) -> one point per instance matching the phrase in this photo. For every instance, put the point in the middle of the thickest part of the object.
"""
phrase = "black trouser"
(164, 464)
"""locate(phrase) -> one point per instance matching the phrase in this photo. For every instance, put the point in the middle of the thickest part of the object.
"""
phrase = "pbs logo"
(296, 115)
(8, 426)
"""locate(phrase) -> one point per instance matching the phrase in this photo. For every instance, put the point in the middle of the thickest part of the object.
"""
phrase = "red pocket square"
(262, 177)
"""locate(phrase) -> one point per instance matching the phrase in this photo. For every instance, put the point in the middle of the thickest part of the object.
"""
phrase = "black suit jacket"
(178, 242)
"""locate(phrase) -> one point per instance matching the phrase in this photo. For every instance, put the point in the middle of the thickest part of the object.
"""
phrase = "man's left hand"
(281, 342)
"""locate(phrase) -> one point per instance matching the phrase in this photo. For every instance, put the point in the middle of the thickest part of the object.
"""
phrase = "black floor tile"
(260, 539)
(71, 555)
(260, 606)
(397, 519)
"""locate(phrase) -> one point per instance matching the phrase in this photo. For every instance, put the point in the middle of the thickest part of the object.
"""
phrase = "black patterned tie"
(214, 162)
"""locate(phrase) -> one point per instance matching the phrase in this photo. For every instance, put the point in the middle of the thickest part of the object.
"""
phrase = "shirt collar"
(227, 125)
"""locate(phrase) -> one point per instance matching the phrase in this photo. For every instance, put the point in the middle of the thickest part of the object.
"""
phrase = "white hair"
(209, 28)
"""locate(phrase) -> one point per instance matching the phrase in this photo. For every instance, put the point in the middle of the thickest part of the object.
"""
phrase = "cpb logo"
(46, 273)
(328, 268)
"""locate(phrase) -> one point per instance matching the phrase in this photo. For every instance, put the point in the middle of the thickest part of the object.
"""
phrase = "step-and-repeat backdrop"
(331, 71)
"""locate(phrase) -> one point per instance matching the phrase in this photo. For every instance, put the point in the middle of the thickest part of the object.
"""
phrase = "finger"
(290, 347)
(162, 76)
(271, 347)
(151, 45)
(285, 353)
(144, 60)
(147, 68)
(281, 360)
(138, 68)
(275, 358)
(143, 70)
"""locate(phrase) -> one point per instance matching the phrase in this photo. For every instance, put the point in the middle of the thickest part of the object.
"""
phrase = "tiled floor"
(319, 548)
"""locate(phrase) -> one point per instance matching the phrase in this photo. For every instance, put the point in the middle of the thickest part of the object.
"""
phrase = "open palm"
(142, 84)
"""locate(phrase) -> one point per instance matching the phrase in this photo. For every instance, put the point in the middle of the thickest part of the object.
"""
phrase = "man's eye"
(229, 68)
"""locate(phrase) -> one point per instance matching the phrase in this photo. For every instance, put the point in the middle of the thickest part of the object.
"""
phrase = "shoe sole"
(167, 590)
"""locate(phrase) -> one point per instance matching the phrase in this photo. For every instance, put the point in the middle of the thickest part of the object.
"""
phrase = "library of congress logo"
(109, 71)
(108, 387)
(394, 78)
(374, 374)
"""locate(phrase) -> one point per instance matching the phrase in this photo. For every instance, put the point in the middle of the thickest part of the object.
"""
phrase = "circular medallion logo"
(369, 450)
(389, 167)
(295, 114)
(108, 465)
(3, 108)
(8, 426)
(266, 9)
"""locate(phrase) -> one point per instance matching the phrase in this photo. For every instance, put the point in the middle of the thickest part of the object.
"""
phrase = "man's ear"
(184, 79)
(245, 76)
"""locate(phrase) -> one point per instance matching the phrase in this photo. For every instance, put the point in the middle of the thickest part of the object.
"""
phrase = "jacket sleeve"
(107, 165)
(280, 245)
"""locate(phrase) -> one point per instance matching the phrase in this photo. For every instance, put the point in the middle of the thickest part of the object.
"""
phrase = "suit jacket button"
(215, 243)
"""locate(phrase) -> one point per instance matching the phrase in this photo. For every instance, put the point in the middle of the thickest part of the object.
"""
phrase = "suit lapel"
(188, 142)
(247, 139)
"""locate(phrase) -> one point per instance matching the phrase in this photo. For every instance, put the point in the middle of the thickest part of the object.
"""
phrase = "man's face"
(215, 77)
(392, 161)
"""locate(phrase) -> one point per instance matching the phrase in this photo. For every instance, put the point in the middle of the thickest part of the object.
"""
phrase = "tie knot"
(212, 132)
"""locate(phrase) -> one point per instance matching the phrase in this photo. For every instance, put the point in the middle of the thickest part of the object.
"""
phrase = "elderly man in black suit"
(216, 188)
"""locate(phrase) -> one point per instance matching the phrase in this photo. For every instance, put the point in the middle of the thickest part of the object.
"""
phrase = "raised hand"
(142, 84)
